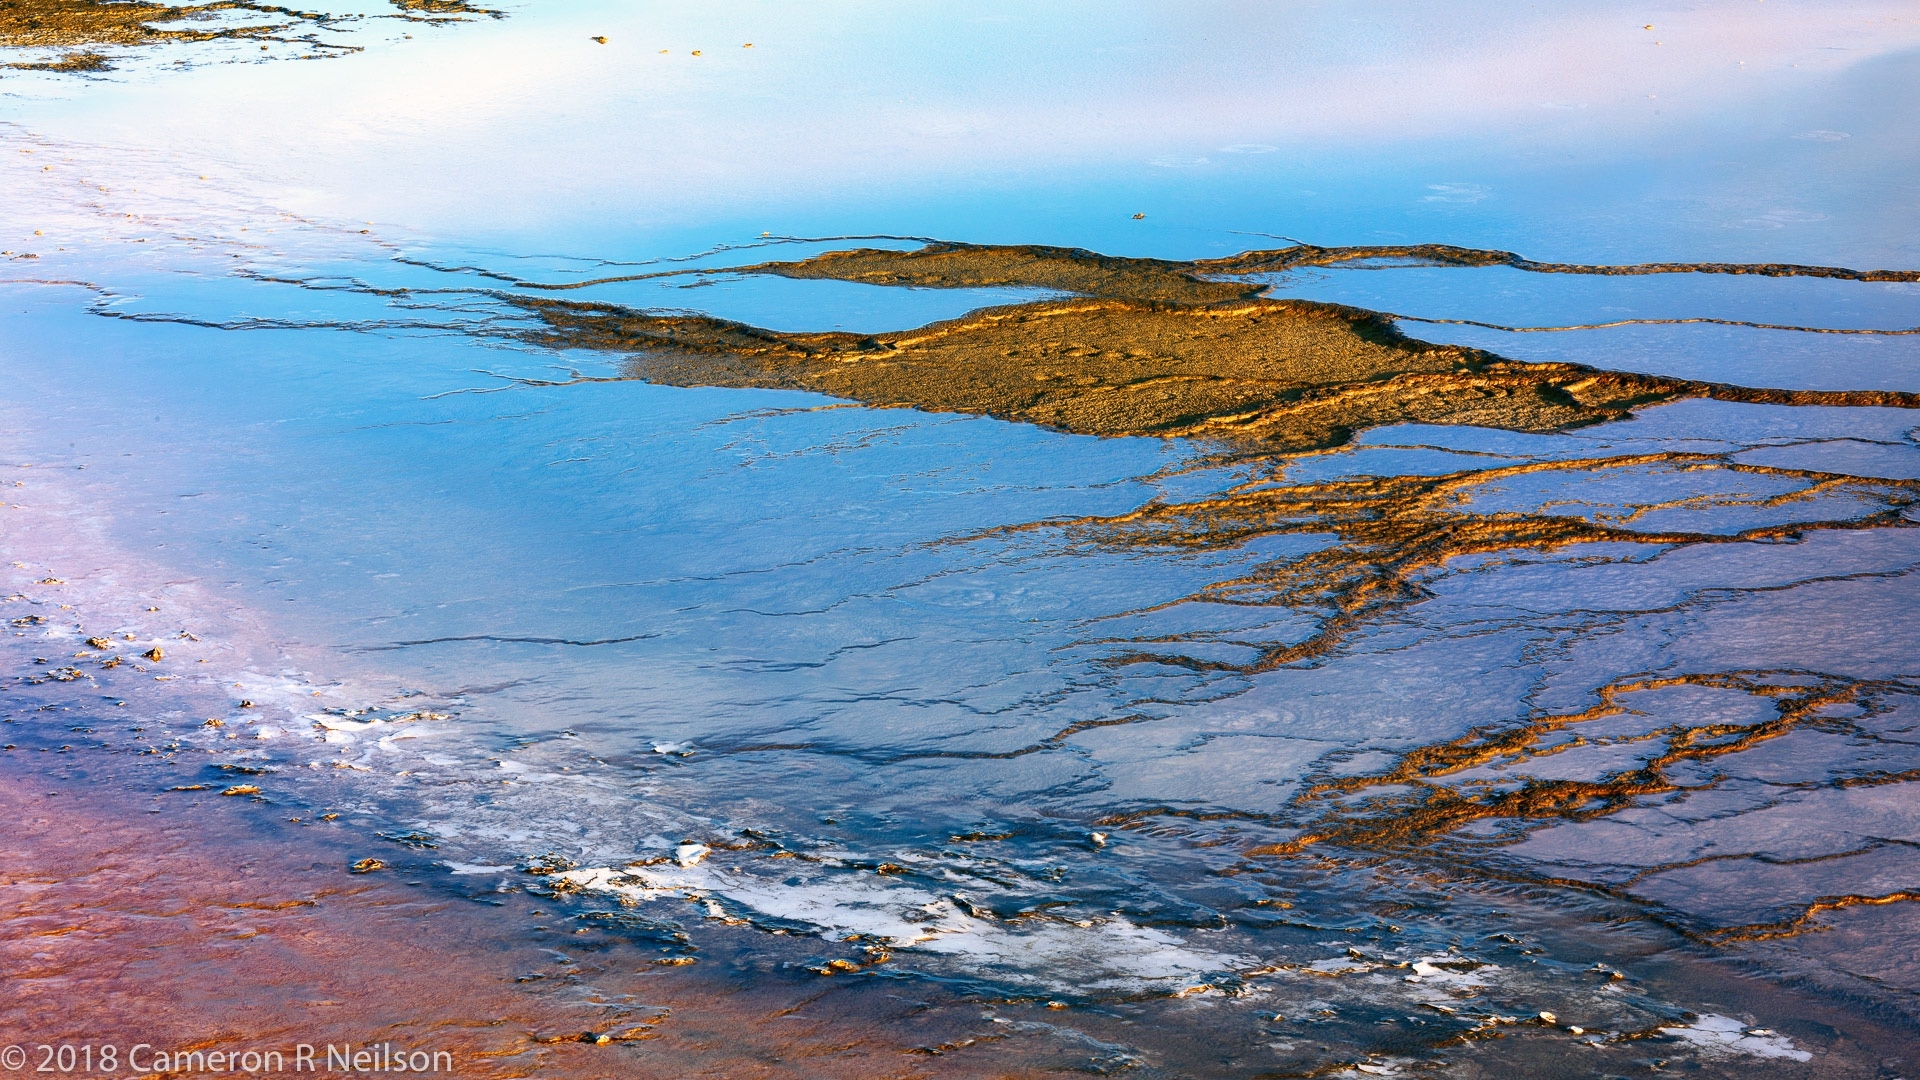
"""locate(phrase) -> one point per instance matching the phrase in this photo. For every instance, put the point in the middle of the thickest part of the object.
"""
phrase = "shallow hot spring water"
(886, 655)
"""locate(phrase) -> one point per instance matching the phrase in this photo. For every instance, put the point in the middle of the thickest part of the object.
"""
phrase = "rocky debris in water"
(549, 863)
(73, 63)
(413, 838)
(441, 11)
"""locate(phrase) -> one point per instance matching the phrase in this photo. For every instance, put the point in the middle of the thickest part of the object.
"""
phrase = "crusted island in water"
(1148, 347)
(1193, 350)
(1144, 347)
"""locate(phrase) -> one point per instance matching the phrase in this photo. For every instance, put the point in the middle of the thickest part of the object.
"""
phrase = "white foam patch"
(345, 730)
(1723, 1035)
(1341, 965)
(1108, 954)
(1430, 970)
(476, 868)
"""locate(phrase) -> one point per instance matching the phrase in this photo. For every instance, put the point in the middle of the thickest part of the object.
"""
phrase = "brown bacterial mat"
(1148, 347)
(1145, 347)
(1153, 348)
(78, 24)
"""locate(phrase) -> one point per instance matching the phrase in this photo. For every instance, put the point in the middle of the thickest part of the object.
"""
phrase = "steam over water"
(1495, 725)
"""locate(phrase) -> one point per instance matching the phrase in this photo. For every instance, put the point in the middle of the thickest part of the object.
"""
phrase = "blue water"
(750, 646)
